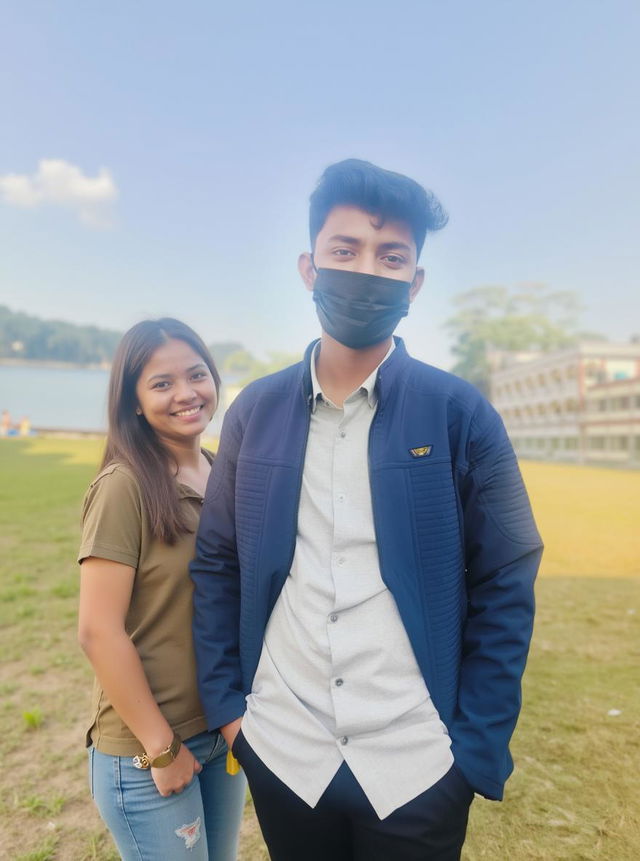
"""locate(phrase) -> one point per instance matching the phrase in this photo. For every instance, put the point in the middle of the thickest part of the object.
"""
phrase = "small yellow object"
(233, 766)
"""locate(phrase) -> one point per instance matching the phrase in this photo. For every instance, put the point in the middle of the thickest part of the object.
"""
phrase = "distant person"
(5, 423)
(365, 562)
(24, 428)
(157, 775)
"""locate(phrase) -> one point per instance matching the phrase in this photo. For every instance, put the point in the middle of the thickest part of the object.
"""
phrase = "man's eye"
(394, 259)
(343, 252)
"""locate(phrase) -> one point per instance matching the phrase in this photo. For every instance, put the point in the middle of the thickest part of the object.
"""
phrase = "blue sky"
(213, 122)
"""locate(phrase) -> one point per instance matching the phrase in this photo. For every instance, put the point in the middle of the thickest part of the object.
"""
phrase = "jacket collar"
(388, 371)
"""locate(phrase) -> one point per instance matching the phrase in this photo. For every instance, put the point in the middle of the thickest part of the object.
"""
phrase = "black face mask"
(358, 309)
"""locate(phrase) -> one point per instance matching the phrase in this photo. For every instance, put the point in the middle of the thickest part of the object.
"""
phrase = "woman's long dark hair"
(131, 439)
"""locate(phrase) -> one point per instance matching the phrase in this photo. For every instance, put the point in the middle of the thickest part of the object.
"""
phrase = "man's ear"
(307, 270)
(416, 284)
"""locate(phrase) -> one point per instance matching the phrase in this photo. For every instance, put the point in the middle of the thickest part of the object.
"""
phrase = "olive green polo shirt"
(115, 527)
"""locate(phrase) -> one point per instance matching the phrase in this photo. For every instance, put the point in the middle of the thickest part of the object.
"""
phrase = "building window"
(620, 443)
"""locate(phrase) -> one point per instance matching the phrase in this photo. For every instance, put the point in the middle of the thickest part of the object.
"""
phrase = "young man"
(366, 557)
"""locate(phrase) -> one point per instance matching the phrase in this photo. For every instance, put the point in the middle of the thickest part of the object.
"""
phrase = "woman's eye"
(163, 384)
(199, 375)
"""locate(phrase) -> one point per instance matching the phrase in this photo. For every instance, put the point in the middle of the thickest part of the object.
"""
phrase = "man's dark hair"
(383, 193)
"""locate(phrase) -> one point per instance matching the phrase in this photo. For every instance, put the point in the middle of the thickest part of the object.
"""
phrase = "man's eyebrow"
(395, 246)
(340, 237)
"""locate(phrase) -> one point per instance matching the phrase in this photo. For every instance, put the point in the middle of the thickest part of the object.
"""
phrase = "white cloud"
(60, 183)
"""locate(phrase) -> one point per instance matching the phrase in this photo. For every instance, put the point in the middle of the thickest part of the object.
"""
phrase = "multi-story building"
(611, 422)
(546, 404)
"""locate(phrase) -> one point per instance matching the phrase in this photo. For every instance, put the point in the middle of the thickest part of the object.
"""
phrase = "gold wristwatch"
(163, 759)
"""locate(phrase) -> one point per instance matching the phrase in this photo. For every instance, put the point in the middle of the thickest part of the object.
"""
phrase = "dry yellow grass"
(589, 518)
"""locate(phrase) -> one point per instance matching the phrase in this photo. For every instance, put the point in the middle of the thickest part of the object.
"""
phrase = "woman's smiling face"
(176, 392)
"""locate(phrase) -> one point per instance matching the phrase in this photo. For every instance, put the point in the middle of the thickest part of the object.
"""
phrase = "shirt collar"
(368, 387)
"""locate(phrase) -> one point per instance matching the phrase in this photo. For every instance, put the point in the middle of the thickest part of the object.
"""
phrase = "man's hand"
(230, 731)
(174, 777)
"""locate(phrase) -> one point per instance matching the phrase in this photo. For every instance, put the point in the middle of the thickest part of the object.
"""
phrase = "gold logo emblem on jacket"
(421, 451)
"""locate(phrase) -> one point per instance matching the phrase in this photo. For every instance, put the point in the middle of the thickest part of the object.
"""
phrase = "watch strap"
(164, 758)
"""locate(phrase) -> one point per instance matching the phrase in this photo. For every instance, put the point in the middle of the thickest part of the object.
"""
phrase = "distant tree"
(248, 367)
(25, 337)
(239, 362)
(529, 317)
(277, 361)
(222, 350)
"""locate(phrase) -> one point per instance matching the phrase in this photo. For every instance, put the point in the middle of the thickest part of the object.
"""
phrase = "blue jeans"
(201, 823)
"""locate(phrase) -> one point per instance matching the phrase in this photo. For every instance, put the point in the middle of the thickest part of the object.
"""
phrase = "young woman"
(157, 776)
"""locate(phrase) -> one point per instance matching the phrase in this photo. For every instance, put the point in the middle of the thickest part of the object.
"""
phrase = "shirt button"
(343, 434)
(339, 682)
(341, 560)
(333, 617)
(344, 739)
(341, 497)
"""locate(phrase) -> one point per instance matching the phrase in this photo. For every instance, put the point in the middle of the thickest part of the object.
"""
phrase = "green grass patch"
(46, 851)
(32, 718)
(43, 807)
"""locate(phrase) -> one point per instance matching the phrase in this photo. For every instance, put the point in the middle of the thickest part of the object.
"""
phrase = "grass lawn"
(575, 791)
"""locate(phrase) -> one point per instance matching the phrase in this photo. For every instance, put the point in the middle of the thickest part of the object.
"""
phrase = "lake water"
(61, 398)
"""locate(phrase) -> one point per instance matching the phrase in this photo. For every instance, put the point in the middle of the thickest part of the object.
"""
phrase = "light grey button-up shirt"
(337, 678)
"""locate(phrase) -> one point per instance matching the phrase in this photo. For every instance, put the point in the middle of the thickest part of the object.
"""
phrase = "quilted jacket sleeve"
(502, 554)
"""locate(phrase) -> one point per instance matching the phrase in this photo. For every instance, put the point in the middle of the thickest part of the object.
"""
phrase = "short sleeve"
(112, 518)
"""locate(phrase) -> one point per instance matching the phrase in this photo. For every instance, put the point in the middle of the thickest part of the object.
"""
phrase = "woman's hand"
(173, 778)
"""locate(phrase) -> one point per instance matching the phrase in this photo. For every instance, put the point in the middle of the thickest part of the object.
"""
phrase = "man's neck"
(341, 370)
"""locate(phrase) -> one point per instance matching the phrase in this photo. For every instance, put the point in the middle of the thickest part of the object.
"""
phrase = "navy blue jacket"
(457, 544)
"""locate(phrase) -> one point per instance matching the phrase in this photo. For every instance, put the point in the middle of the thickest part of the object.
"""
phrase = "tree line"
(24, 337)
(525, 318)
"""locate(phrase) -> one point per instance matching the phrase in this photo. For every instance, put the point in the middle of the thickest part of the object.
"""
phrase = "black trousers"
(344, 827)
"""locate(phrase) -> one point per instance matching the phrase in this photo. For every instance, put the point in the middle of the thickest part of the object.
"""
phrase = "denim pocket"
(219, 746)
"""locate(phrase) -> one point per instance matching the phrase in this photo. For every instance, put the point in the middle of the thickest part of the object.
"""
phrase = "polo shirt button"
(344, 740)
(339, 682)
(343, 434)
(333, 617)
(341, 560)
